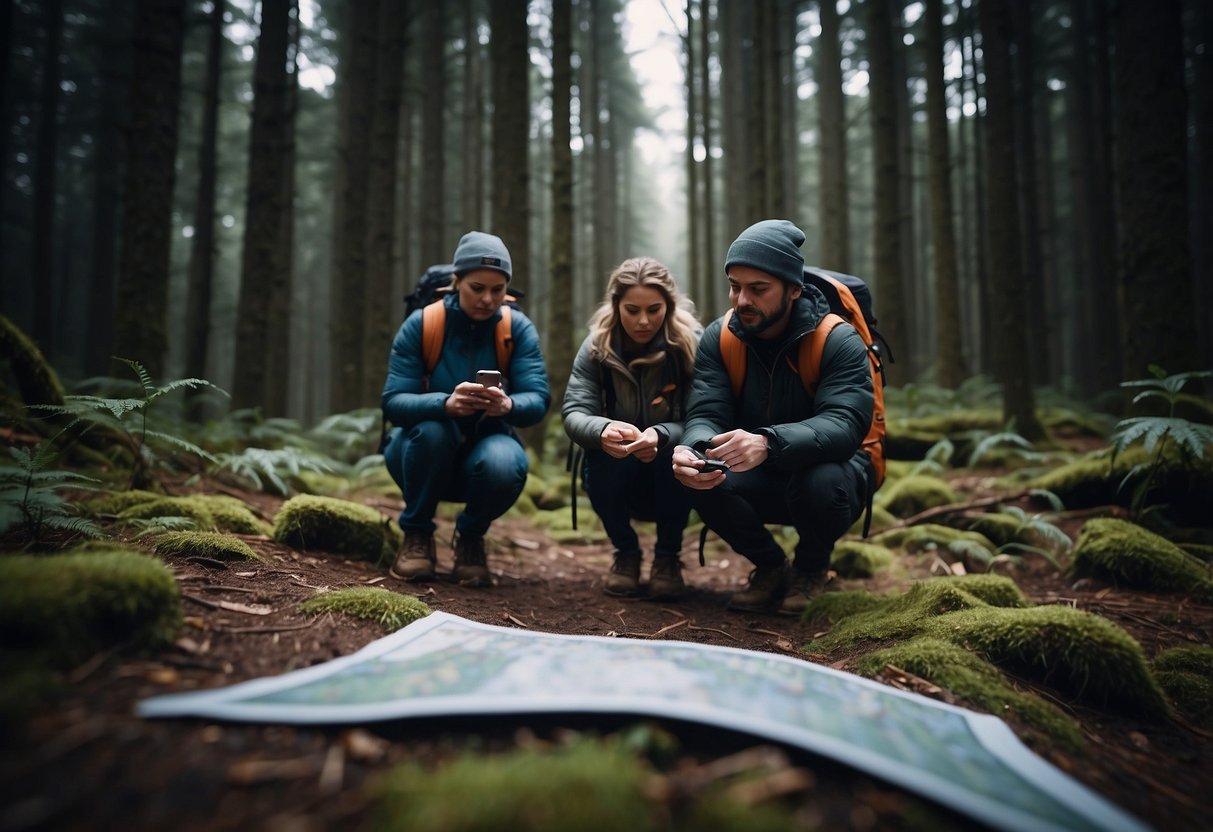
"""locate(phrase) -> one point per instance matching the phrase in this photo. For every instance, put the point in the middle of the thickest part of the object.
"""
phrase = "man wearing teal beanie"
(792, 458)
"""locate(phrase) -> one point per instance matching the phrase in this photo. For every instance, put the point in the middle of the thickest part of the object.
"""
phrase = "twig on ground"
(283, 629)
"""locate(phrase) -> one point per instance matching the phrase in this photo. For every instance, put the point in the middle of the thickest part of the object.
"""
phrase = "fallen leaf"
(376, 580)
(248, 609)
(523, 543)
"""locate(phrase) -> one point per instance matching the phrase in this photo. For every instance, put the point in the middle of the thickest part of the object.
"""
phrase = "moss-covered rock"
(852, 559)
(188, 507)
(1125, 554)
(116, 502)
(913, 494)
(1186, 675)
(76, 603)
(928, 536)
(836, 606)
(1076, 652)
(1001, 529)
(232, 515)
(204, 544)
(976, 680)
(332, 525)
(391, 609)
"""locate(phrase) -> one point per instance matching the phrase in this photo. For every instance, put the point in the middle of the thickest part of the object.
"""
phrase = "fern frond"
(183, 444)
(971, 551)
(1148, 429)
(189, 383)
(1016, 512)
(995, 440)
(75, 525)
(1055, 502)
(144, 378)
(1036, 550)
(157, 525)
(1050, 533)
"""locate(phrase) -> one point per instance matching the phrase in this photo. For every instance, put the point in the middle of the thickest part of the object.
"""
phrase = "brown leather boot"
(416, 558)
(765, 589)
(624, 577)
(471, 563)
(665, 578)
(802, 588)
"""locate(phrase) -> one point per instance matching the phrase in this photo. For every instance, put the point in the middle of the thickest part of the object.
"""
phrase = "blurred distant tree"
(435, 248)
(834, 204)
(473, 119)
(561, 346)
(44, 274)
(150, 174)
(509, 59)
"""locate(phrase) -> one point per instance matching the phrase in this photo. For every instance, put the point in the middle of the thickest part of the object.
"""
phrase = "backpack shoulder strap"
(433, 333)
(504, 338)
(732, 352)
(811, 349)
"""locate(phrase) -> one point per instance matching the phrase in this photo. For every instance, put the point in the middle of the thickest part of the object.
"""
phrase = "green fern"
(1017, 445)
(158, 525)
(130, 418)
(29, 501)
(1155, 432)
(272, 469)
(937, 458)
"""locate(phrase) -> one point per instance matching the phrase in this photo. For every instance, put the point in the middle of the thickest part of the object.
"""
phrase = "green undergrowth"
(391, 609)
(76, 603)
(1125, 554)
(928, 536)
(589, 785)
(1074, 652)
(333, 525)
(912, 494)
(1186, 675)
(975, 680)
(852, 559)
(204, 544)
(204, 511)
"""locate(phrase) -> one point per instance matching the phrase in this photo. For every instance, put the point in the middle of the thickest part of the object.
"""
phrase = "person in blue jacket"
(454, 439)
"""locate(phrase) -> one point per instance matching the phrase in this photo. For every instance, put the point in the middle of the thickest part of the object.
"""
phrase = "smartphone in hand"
(488, 378)
(710, 464)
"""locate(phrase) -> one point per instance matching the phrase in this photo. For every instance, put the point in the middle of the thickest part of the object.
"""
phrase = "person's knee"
(501, 462)
(829, 488)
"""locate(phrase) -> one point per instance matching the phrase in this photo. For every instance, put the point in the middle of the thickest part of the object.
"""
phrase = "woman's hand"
(644, 447)
(616, 437)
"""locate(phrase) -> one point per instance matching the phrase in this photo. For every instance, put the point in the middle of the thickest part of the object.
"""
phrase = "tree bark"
(509, 58)
(561, 347)
(1202, 177)
(949, 359)
(834, 204)
(434, 246)
(46, 166)
(1006, 272)
(261, 260)
(1158, 324)
(707, 297)
(473, 120)
(734, 106)
(695, 265)
(150, 174)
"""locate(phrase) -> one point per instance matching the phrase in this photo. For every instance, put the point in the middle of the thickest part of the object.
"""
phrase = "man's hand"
(645, 447)
(616, 437)
(741, 450)
(688, 470)
(469, 397)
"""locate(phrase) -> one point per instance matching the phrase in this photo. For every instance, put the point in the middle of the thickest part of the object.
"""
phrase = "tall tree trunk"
(886, 176)
(509, 58)
(261, 260)
(380, 314)
(150, 174)
(356, 80)
(696, 267)
(1201, 99)
(1152, 197)
(709, 298)
(200, 279)
(46, 165)
(918, 347)
(1055, 313)
(734, 105)
(1025, 87)
(561, 347)
(834, 205)
(771, 116)
(434, 246)
(473, 120)
(979, 308)
(1006, 272)
(105, 208)
(755, 107)
(948, 355)
(281, 310)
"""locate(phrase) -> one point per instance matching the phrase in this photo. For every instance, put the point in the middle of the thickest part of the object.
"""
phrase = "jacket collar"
(807, 312)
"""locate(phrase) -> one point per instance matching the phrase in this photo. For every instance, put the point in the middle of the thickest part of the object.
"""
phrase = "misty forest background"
(1026, 184)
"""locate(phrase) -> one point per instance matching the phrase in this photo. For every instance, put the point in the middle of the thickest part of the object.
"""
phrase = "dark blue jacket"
(469, 346)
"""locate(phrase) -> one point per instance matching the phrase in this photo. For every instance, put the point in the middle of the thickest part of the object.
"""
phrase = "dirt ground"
(86, 762)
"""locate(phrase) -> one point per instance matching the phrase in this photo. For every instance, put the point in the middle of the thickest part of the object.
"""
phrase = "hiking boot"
(416, 558)
(471, 568)
(766, 588)
(665, 578)
(802, 587)
(624, 577)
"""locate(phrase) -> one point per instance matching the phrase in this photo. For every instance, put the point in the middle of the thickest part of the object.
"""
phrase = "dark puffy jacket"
(469, 346)
(638, 394)
(800, 430)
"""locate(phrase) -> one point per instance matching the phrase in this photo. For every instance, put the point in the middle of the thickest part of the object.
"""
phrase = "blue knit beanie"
(771, 246)
(477, 250)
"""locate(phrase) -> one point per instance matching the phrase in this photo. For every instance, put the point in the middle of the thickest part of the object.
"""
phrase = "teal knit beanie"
(477, 250)
(771, 246)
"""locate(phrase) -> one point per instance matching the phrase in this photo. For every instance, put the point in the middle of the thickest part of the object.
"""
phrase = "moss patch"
(928, 536)
(1127, 555)
(204, 544)
(76, 603)
(852, 559)
(913, 494)
(1001, 529)
(332, 525)
(232, 515)
(881, 518)
(1186, 675)
(391, 609)
(977, 681)
(1073, 651)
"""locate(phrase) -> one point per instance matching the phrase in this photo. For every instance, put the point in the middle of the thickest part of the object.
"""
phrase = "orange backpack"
(844, 308)
(433, 335)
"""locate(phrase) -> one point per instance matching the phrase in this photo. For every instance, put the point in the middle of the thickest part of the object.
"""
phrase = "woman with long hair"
(624, 405)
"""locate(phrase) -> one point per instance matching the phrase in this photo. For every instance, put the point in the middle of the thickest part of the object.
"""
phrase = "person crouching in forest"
(624, 405)
(453, 438)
